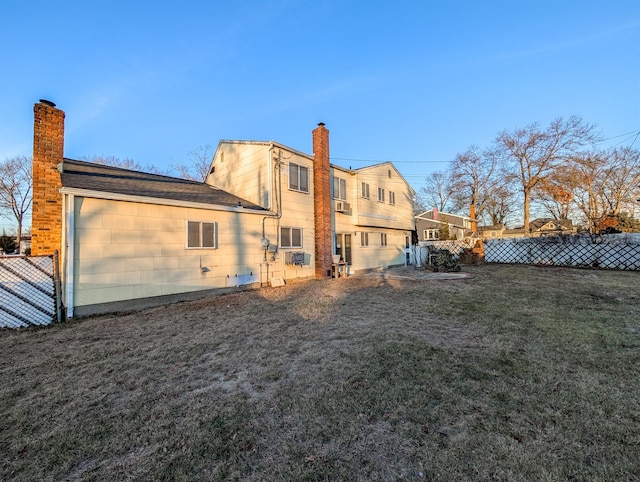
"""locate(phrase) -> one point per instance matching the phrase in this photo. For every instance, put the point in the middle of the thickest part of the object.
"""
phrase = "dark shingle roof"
(108, 179)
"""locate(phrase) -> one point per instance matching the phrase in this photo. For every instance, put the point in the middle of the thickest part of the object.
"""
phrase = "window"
(201, 235)
(380, 195)
(431, 234)
(364, 239)
(392, 197)
(364, 192)
(339, 189)
(291, 237)
(383, 239)
(298, 178)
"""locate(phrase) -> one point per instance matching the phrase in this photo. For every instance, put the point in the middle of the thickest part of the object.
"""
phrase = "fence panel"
(27, 291)
(607, 251)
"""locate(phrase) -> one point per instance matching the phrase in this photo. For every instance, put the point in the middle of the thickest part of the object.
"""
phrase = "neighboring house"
(537, 228)
(429, 223)
(266, 211)
(494, 231)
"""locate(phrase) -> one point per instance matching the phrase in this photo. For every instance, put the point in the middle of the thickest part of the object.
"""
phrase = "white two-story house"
(266, 213)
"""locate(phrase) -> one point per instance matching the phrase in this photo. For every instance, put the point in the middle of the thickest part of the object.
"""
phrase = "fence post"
(57, 286)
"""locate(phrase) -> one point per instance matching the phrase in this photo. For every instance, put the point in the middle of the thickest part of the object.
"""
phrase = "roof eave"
(111, 196)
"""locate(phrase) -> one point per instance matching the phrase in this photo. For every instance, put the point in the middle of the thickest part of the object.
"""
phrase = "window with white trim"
(383, 239)
(298, 177)
(380, 194)
(364, 190)
(339, 189)
(201, 235)
(430, 234)
(290, 237)
(364, 239)
(392, 197)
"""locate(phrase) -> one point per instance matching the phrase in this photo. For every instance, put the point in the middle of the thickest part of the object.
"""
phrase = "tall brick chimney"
(48, 148)
(322, 201)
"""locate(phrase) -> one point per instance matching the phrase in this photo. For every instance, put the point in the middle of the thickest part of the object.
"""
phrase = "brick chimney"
(48, 147)
(322, 201)
(472, 215)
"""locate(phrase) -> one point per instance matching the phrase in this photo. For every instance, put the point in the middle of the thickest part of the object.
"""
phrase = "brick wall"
(48, 147)
(322, 201)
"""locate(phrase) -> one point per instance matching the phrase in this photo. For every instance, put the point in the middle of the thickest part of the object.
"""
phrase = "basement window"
(201, 235)
(298, 177)
(291, 237)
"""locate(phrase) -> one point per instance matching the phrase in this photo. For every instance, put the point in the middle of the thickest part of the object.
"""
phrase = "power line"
(380, 161)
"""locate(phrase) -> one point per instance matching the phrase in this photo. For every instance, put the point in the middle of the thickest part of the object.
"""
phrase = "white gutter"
(163, 202)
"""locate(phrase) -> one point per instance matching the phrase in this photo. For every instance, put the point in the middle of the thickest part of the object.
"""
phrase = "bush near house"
(7, 244)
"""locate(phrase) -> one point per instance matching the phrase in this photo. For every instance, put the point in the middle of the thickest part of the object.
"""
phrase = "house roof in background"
(100, 178)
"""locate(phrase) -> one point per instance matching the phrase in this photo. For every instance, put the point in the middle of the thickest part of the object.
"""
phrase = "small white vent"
(342, 207)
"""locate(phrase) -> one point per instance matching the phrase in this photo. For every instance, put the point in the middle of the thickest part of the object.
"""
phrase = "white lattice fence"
(27, 291)
(608, 251)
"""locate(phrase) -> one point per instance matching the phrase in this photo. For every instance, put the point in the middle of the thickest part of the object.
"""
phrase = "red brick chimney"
(48, 147)
(322, 201)
(472, 215)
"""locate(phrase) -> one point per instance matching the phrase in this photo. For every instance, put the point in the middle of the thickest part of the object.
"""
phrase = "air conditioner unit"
(342, 207)
(294, 257)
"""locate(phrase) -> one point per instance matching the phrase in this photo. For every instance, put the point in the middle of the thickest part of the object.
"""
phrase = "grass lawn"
(517, 373)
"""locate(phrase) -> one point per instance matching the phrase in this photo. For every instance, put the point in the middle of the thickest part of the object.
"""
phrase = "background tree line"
(558, 170)
(16, 182)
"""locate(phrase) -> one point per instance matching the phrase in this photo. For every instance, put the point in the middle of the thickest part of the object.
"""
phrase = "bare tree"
(623, 175)
(500, 205)
(474, 177)
(199, 165)
(555, 194)
(15, 191)
(125, 163)
(437, 191)
(533, 154)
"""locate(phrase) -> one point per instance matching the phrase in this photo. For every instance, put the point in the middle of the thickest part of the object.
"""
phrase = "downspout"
(278, 204)
(69, 232)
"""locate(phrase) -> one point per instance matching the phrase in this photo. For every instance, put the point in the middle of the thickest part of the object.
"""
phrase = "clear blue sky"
(400, 81)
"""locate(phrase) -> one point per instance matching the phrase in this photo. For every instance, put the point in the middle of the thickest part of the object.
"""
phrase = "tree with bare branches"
(126, 163)
(15, 191)
(199, 164)
(437, 191)
(532, 153)
(474, 178)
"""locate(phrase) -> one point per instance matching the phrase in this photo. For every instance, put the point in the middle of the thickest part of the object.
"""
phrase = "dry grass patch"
(518, 373)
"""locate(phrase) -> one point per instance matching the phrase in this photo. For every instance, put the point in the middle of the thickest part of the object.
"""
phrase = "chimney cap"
(47, 102)
(321, 124)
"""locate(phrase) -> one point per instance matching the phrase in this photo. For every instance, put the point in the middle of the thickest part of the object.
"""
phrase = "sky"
(412, 82)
